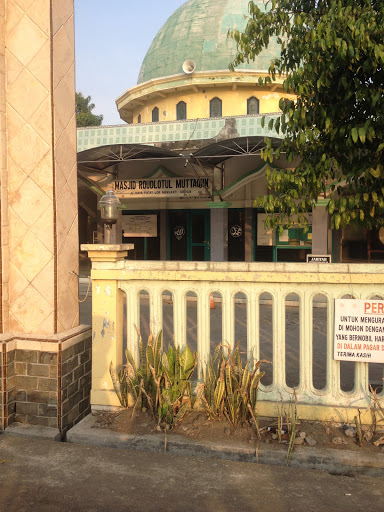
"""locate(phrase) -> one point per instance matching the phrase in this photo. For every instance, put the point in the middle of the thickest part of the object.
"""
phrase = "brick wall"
(48, 386)
(1, 389)
(32, 387)
(76, 366)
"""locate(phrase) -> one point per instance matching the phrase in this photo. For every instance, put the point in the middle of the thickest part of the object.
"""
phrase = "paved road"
(47, 476)
(292, 339)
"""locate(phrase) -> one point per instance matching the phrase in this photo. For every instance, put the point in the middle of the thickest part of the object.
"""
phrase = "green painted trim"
(221, 204)
(190, 244)
(322, 202)
(162, 169)
(238, 180)
(170, 131)
(95, 189)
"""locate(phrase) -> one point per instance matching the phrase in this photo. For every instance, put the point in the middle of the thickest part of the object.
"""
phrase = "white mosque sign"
(359, 330)
(191, 188)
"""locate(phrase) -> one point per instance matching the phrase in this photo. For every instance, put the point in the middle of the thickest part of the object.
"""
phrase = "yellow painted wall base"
(344, 415)
(103, 399)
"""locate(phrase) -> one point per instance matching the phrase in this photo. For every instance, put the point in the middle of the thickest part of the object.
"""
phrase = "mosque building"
(186, 164)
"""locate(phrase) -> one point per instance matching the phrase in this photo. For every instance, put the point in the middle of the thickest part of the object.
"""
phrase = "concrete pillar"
(320, 230)
(219, 234)
(107, 322)
(39, 213)
(248, 234)
(4, 253)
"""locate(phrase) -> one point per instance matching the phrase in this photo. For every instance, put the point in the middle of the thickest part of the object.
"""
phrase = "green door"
(189, 235)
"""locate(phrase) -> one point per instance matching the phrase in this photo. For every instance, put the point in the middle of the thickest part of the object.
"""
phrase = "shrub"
(230, 389)
(161, 382)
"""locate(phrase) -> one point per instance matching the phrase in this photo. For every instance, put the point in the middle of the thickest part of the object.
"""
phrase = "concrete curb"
(33, 431)
(326, 459)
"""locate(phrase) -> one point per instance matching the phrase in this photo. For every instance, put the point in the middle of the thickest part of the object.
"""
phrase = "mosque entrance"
(189, 235)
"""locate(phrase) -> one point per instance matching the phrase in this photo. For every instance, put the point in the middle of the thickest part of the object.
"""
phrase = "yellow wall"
(234, 103)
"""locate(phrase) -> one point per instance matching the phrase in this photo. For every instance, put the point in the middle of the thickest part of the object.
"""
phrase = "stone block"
(78, 372)
(25, 382)
(39, 420)
(79, 347)
(88, 366)
(11, 356)
(27, 408)
(38, 370)
(47, 384)
(52, 398)
(48, 358)
(64, 394)
(15, 395)
(85, 356)
(11, 408)
(48, 411)
(65, 407)
(75, 399)
(11, 382)
(88, 344)
(69, 418)
(20, 368)
(85, 381)
(11, 370)
(53, 371)
(84, 405)
(28, 356)
(73, 388)
(70, 365)
(41, 397)
(67, 354)
(53, 422)
(87, 390)
(66, 380)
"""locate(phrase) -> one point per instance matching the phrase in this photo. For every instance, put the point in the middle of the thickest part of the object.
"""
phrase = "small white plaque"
(359, 330)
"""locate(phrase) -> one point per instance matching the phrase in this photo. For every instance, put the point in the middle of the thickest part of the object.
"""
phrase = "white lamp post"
(110, 209)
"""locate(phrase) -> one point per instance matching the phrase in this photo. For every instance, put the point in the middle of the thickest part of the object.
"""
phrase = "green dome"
(198, 31)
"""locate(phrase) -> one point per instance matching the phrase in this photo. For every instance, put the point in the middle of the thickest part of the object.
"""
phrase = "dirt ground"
(197, 425)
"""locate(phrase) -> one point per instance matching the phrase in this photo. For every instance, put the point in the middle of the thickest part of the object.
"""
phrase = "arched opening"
(252, 106)
(215, 107)
(319, 341)
(155, 115)
(181, 111)
(266, 336)
(292, 340)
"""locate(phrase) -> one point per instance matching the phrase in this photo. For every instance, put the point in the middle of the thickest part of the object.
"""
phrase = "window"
(215, 107)
(139, 118)
(252, 106)
(181, 111)
(155, 115)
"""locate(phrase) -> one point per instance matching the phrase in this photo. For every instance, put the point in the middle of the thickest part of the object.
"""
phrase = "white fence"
(259, 284)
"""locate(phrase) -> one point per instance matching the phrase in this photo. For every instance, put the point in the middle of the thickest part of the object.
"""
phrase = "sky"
(111, 40)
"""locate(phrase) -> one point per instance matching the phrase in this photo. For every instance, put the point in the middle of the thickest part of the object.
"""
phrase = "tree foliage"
(84, 116)
(332, 60)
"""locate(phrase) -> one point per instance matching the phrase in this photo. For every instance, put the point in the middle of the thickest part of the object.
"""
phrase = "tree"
(84, 116)
(332, 59)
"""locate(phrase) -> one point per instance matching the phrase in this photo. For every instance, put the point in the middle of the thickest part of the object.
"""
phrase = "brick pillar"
(39, 223)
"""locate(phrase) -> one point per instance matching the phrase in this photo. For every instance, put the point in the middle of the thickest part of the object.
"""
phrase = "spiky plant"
(161, 381)
(175, 387)
(230, 388)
